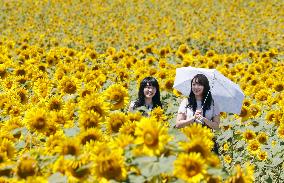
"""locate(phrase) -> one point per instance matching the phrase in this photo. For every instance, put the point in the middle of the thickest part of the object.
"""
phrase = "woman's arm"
(214, 124)
(181, 120)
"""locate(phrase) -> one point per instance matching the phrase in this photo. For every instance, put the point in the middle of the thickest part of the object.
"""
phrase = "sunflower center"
(198, 149)
(254, 147)
(26, 168)
(150, 139)
(279, 88)
(88, 138)
(55, 105)
(249, 136)
(97, 109)
(40, 123)
(193, 169)
(70, 88)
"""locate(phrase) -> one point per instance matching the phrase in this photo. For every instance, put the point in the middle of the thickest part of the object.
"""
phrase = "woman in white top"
(148, 95)
(199, 106)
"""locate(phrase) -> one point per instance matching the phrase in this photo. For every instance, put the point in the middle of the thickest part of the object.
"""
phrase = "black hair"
(200, 79)
(148, 81)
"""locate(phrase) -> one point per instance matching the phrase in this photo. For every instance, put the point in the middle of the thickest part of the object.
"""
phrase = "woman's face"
(197, 88)
(149, 91)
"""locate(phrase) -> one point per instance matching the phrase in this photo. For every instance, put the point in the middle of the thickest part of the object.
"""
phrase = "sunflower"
(117, 96)
(42, 87)
(262, 137)
(7, 147)
(278, 86)
(255, 110)
(198, 145)
(89, 119)
(245, 113)
(69, 147)
(253, 147)
(151, 136)
(60, 118)
(95, 104)
(190, 167)
(68, 85)
(249, 135)
(242, 175)
(262, 155)
(36, 120)
(280, 132)
(115, 121)
(213, 160)
(23, 95)
(158, 114)
(228, 159)
(134, 116)
(122, 140)
(108, 165)
(91, 135)
(226, 147)
(270, 116)
(262, 95)
(196, 130)
(54, 142)
(168, 84)
(55, 103)
(128, 128)
(27, 167)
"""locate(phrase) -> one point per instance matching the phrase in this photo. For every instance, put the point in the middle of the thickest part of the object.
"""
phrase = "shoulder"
(131, 106)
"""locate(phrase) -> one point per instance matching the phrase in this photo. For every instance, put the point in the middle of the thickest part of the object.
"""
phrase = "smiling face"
(149, 91)
(197, 88)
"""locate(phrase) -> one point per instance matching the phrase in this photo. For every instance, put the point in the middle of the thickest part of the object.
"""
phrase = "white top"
(132, 103)
(212, 112)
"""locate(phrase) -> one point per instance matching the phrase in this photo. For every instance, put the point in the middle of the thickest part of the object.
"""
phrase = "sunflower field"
(69, 69)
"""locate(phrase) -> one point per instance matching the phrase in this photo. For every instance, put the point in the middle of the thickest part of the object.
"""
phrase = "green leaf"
(71, 132)
(136, 178)
(57, 178)
(151, 169)
(20, 145)
(166, 164)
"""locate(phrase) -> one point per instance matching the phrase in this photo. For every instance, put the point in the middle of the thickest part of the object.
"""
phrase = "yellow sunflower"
(69, 147)
(158, 113)
(280, 132)
(228, 159)
(69, 85)
(27, 167)
(91, 135)
(190, 167)
(242, 175)
(262, 155)
(262, 137)
(94, 103)
(255, 110)
(7, 147)
(117, 96)
(253, 147)
(115, 121)
(278, 86)
(151, 136)
(249, 135)
(121, 141)
(36, 120)
(245, 113)
(262, 95)
(89, 119)
(128, 128)
(199, 145)
(108, 163)
(196, 130)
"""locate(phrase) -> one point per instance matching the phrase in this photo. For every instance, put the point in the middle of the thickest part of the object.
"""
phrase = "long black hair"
(148, 81)
(202, 80)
